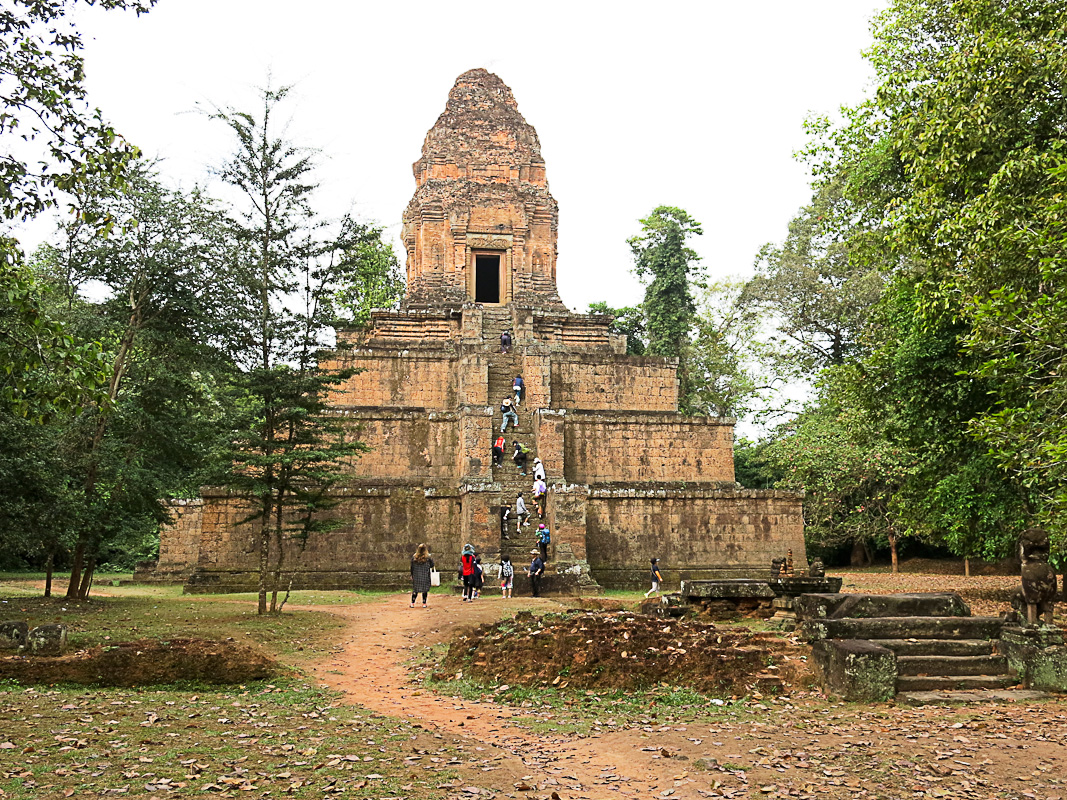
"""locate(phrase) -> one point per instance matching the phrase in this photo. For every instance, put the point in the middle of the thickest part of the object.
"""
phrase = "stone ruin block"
(13, 635)
(47, 640)
(857, 670)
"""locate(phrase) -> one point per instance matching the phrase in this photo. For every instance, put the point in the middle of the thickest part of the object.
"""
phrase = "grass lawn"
(287, 738)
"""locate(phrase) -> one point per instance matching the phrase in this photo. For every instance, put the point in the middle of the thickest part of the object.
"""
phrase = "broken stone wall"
(713, 533)
(179, 544)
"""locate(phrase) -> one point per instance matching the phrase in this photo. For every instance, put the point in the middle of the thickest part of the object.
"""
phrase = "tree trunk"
(264, 566)
(893, 551)
(859, 554)
(967, 567)
(48, 572)
(87, 577)
(76, 569)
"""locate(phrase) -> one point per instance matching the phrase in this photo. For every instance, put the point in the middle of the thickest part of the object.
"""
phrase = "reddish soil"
(796, 746)
(626, 650)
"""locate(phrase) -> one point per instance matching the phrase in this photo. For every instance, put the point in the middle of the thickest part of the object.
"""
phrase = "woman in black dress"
(421, 564)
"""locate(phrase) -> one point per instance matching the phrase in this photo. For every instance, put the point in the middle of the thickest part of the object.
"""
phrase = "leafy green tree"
(850, 473)
(669, 269)
(820, 285)
(287, 450)
(628, 321)
(43, 104)
(971, 100)
(166, 303)
(373, 278)
(724, 357)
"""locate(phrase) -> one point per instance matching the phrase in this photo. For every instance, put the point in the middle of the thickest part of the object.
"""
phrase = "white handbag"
(435, 578)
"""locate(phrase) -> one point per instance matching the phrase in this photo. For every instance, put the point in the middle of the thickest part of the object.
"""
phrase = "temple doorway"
(487, 278)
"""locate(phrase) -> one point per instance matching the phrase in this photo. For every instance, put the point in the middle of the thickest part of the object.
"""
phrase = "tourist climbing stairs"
(919, 648)
(503, 367)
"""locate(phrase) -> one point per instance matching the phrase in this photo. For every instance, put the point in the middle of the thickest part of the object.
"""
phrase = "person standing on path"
(538, 470)
(508, 413)
(519, 456)
(536, 570)
(519, 387)
(657, 578)
(498, 450)
(466, 572)
(505, 342)
(544, 536)
(421, 566)
(521, 514)
(507, 577)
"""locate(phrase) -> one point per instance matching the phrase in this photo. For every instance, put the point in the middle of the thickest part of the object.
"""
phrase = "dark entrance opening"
(487, 279)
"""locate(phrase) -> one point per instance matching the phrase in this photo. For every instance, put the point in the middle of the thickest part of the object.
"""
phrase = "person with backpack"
(544, 536)
(466, 572)
(519, 387)
(520, 455)
(508, 413)
(507, 577)
(498, 450)
(540, 494)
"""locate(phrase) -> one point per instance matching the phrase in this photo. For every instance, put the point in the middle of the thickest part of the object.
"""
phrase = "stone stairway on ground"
(918, 648)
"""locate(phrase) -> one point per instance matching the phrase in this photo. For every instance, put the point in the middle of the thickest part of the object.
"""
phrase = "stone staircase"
(917, 648)
(503, 367)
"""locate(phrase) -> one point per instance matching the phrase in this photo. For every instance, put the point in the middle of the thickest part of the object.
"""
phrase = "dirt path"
(370, 671)
(801, 750)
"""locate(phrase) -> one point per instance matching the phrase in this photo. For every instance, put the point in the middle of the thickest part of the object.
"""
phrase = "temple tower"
(482, 224)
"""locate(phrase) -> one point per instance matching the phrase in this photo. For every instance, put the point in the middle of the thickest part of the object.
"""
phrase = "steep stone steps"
(907, 628)
(914, 666)
(939, 647)
(970, 697)
(940, 683)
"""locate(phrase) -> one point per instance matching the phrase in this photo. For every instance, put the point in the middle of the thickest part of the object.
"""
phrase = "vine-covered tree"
(670, 269)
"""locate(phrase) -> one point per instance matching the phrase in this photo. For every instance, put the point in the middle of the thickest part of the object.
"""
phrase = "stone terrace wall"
(622, 448)
(714, 533)
(390, 378)
(406, 444)
(179, 544)
(614, 383)
(373, 549)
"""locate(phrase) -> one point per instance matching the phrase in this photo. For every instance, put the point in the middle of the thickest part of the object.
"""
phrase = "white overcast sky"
(692, 104)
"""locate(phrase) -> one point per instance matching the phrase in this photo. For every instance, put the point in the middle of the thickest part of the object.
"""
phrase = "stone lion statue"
(1039, 580)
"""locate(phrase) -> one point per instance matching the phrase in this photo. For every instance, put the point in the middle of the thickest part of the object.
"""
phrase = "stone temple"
(629, 477)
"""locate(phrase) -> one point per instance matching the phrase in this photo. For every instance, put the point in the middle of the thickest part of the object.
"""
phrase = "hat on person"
(468, 549)
(541, 525)
(537, 461)
(535, 552)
